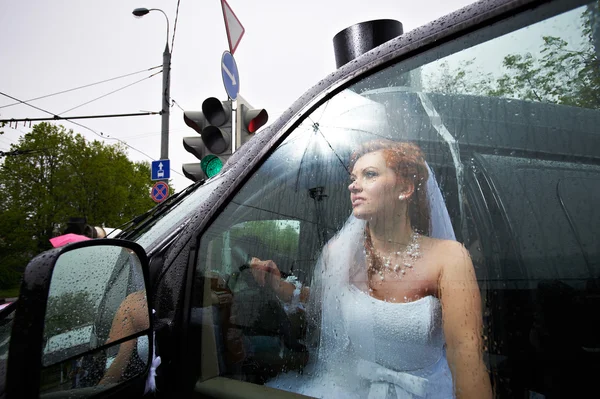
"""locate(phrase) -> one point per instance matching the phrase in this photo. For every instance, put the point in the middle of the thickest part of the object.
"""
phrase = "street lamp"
(166, 97)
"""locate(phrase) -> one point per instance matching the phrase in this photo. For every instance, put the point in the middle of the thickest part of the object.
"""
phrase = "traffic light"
(213, 147)
(248, 121)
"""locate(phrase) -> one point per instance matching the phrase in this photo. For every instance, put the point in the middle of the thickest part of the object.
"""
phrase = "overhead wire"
(108, 137)
(179, 106)
(175, 27)
(70, 118)
(112, 92)
(25, 103)
(86, 127)
(153, 133)
(82, 87)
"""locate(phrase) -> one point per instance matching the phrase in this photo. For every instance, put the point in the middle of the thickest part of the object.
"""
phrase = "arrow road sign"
(231, 77)
(160, 170)
(233, 26)
(160, 191)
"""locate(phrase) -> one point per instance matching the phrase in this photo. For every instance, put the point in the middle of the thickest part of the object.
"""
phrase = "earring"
(401, 197)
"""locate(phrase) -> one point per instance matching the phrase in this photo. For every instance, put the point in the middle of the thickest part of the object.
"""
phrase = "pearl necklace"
(407, 258)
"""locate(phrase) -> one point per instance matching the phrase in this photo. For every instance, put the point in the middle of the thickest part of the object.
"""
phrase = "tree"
(280, 236)
(67, 311)
(60, 175)
(561, 73)
(464, 79)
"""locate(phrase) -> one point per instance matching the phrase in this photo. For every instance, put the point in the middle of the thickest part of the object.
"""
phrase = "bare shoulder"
(452, 255)
(443, 247)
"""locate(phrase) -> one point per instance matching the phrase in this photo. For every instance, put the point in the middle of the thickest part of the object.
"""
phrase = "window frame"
(494, 18)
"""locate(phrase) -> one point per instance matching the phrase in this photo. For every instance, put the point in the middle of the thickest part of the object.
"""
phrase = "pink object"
(67, 239)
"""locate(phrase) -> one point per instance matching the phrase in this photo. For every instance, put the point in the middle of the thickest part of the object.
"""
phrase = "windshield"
(434, 221)
(174, 218)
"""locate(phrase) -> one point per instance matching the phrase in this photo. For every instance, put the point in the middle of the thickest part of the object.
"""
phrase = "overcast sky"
(51, 46)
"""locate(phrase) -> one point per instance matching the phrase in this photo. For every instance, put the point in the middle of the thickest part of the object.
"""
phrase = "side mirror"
(83, 321)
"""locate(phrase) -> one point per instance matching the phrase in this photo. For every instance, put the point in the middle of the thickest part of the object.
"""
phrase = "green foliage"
(63, 176)
(464, 79)
(280, 237)
(68, 311)
(561, 73)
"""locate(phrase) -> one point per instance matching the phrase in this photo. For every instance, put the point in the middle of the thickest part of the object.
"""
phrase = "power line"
(23, 102)
(17, 152)
(112, 92)
(151, 133)
(120, 141)
(78, 124)
(66, 118)
(175, 27)
(111, 138)
(175, 102)
(82, 87)
(90, 129)
(56, 117)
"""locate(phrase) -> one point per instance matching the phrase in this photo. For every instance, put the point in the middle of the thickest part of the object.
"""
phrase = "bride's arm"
(462, 318)
(285, 290)
(267, 272)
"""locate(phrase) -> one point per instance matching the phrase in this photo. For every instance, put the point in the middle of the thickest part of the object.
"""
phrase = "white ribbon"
(405, 384)
(151, 380)
(295, 303)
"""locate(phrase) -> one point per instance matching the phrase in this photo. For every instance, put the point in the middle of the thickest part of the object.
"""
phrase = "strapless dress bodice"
(402, 336)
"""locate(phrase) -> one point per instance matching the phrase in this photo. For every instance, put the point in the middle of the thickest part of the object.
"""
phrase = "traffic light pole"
(239, 104)
(235, 132)
(166, 99)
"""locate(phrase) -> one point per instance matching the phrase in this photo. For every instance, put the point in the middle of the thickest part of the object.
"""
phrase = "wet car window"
(175, 217)
(428, 230)
(6, 324)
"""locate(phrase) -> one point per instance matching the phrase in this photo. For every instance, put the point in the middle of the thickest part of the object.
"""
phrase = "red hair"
(408, 163)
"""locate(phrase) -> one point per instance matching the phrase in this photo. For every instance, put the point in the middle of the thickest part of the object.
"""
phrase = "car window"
(175, 217)
(6, 324)
(329, 269)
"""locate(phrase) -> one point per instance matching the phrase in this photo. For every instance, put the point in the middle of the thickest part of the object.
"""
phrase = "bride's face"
(375, 188)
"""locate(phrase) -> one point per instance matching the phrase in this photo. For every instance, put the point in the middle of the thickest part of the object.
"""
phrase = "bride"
(398, 312)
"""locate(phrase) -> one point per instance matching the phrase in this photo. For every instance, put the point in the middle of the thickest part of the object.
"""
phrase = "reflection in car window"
(442, 225)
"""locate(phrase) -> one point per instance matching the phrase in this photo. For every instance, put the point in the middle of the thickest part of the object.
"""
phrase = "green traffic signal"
(211, 165)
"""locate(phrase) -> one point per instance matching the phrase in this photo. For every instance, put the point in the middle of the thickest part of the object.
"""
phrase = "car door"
(503, 101)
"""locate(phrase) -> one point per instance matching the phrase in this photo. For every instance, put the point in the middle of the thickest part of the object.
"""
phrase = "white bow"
(151, 380)
(405, 384)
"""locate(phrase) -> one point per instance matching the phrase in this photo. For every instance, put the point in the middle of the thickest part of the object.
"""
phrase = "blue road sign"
(231, 77)
(161, 170)
(160, 191)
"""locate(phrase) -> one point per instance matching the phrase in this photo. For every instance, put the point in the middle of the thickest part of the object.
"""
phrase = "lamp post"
(166, 96)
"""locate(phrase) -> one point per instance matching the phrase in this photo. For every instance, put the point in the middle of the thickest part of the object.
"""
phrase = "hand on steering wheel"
(265, 271)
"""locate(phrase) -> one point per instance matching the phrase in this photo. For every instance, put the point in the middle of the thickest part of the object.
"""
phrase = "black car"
(503, 97)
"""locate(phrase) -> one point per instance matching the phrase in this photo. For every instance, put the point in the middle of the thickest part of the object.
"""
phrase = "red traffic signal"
(254, 119)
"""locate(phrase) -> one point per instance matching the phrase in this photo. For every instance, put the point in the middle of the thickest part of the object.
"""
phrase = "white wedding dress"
(368, 348)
